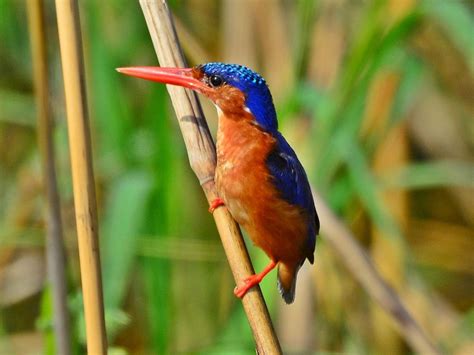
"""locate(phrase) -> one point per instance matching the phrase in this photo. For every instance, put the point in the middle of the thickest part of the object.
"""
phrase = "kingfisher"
(258, 175)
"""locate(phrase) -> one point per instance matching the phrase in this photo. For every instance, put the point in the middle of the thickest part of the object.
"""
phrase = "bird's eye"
(216, 80)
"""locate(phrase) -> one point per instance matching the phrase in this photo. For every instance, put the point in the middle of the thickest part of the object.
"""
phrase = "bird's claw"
(249, 282)
(216, 203)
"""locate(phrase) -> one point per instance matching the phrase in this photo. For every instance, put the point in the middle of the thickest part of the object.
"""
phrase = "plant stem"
(202, 157)
(363, 269)
(55, 252)
(82, 173)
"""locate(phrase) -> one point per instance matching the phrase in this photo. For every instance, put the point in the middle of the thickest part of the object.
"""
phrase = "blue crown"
(257, 95)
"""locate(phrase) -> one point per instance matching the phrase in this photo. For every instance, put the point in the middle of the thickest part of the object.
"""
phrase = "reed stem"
(363, 269)
(55, 252)
(202, 157)
(82, 173)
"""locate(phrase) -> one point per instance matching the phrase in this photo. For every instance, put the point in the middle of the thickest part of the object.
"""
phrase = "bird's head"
(235, 90)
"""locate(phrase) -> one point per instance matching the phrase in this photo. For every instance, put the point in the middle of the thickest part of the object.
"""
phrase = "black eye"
(216, 80)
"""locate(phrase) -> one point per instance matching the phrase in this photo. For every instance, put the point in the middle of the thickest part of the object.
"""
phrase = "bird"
(258, 176)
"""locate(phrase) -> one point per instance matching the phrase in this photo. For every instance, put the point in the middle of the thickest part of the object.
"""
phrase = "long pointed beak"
(174, 76)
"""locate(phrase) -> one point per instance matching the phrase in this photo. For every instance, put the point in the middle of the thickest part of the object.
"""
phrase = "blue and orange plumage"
(258, 175)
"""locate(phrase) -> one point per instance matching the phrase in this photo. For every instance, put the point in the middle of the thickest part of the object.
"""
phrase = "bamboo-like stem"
(202, 157)
(82, 173)
(363, 269)
(55, 252)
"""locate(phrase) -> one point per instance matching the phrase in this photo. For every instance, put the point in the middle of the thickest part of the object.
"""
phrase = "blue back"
(291, 181)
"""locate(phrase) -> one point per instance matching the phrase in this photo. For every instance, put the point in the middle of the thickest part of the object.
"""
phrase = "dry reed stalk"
(328, 43)
(55, 253)
(363, 269)
(389, 254)
(238, 35)
(269, 18)
(82, 173)
(202, 157)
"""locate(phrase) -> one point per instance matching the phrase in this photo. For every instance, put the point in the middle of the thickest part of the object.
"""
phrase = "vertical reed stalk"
(202, 156)
(82, 173)
(55, 253)
(388, 254)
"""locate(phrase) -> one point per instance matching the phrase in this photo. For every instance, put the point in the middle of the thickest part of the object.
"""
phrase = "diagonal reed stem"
(364, 271)
(55, 252)
(82, 173)
(202, 157)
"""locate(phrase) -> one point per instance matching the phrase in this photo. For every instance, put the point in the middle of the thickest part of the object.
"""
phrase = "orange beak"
(173, 76)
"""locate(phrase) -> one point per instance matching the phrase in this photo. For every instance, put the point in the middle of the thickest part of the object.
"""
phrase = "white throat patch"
(220, 113)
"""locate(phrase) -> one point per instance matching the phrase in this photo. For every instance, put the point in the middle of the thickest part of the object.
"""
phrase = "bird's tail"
(287, 281)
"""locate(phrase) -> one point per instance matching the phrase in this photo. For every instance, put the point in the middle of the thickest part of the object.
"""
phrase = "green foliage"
(122, 221)
(166, 284)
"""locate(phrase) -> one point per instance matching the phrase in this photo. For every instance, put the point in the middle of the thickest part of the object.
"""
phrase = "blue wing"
(291, 181)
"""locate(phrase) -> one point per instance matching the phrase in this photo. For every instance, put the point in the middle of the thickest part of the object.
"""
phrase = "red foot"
(253, 280)
(249, 282)
(216, 203)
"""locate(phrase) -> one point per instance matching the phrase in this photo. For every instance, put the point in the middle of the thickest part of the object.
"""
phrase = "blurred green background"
(377, 98)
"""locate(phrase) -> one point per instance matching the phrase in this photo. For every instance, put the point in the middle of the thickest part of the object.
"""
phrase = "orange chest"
(242, 146)
(242, 149)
